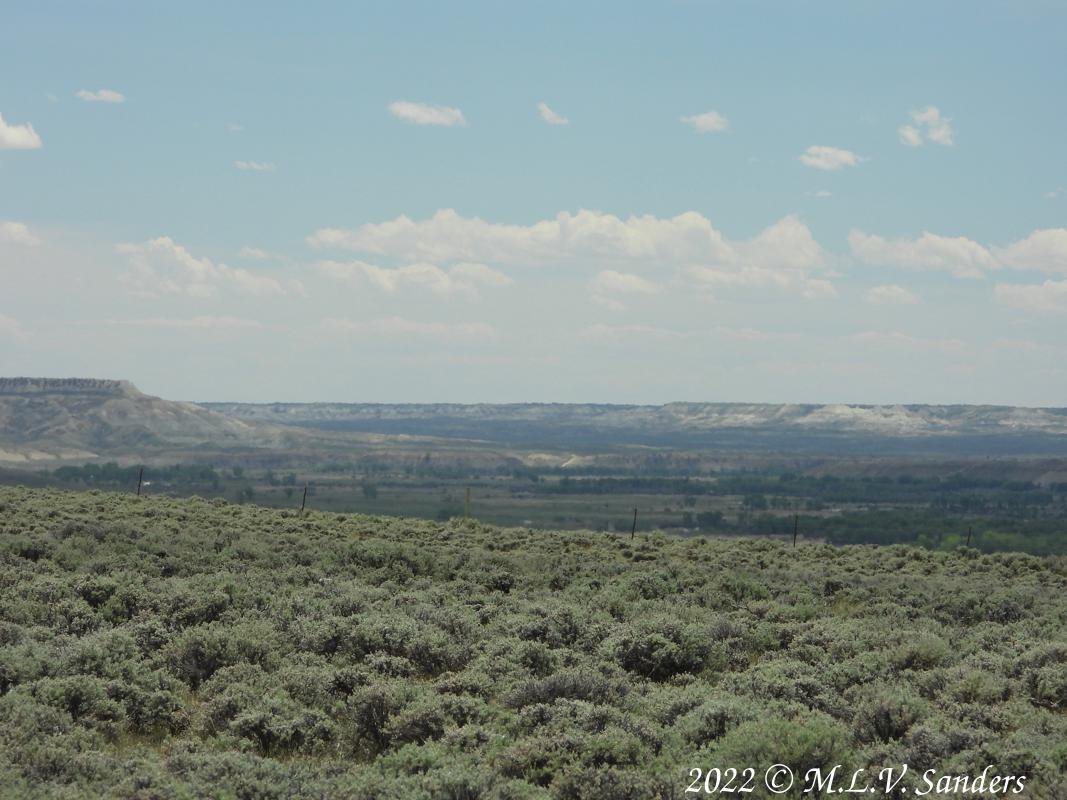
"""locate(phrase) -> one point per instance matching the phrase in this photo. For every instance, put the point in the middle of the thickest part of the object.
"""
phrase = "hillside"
(161, 648)
(899, 428)
(83, 418)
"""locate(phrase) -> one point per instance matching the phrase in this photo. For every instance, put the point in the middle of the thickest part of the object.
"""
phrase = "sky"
(625, 202)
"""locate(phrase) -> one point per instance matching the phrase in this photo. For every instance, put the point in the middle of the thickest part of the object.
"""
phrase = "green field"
(185, 648)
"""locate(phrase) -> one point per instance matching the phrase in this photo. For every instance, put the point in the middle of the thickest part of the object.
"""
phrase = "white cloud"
(1043, 250)
(891, 295)
(566, 239)
(401, 327)
(550, 116)
(161, 266)
(12, 232)
(610, 281)
(423, 114)
(957, 255)
(708, 122)
(18, 137)
(234, 127)
(829, 158)
(101, 96)
(193, 323)
(761, 278)
(255, 166)
(910, 135)
(253, 253)
(820, 193)
(783, 254)
(928, 125)
(787, 243)
(1050, 296)
(464, 278)
(1059, 191)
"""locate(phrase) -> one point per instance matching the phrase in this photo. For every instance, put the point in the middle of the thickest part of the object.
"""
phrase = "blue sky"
(232, 201)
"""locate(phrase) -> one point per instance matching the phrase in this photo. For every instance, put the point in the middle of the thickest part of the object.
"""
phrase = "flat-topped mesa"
(67, 386)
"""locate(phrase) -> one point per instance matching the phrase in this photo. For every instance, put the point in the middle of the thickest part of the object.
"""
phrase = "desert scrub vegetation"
(162, 648)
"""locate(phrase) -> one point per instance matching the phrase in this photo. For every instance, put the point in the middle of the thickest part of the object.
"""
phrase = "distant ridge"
(945, 429)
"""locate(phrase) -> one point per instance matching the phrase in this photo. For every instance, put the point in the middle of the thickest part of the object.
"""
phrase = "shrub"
(660, 648)
(886, 714)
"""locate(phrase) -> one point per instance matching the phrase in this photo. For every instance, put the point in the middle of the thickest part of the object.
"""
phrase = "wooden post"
(304, 501)
(968, 537)
(633, 530)
(796, 528)
(467, 504)
(140, 477)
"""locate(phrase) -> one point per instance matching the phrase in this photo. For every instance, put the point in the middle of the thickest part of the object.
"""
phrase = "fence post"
(968, 537)
(467, 504)
(304, 501)
(633, 530)
(140, 477)
(796, 528)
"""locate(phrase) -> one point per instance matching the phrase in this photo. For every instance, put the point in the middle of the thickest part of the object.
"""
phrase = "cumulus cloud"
(101, 96)
(927, 126)
(255, 166)
(761, 278)
(781, 258)
(550, 116)
(18, 137)
(1042, 251)
(829, 158)
(423, 114)
(708, 122)
(910, 135)
(957, 255)
(401, 327)
(891, 295)
(608, 284)
(12, 232)
(593, 238)
(610, 281)
(254, 253)
(567, 238)
(1048, 297)
(464, 278)
(161, 266)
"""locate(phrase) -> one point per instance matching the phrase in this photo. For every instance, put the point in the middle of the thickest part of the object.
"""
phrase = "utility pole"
(304, 501)
(633, 530)
(140, 477)
(796, 528)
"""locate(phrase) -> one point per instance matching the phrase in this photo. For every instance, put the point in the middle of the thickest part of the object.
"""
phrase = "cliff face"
(46, 418)
(65, 386)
